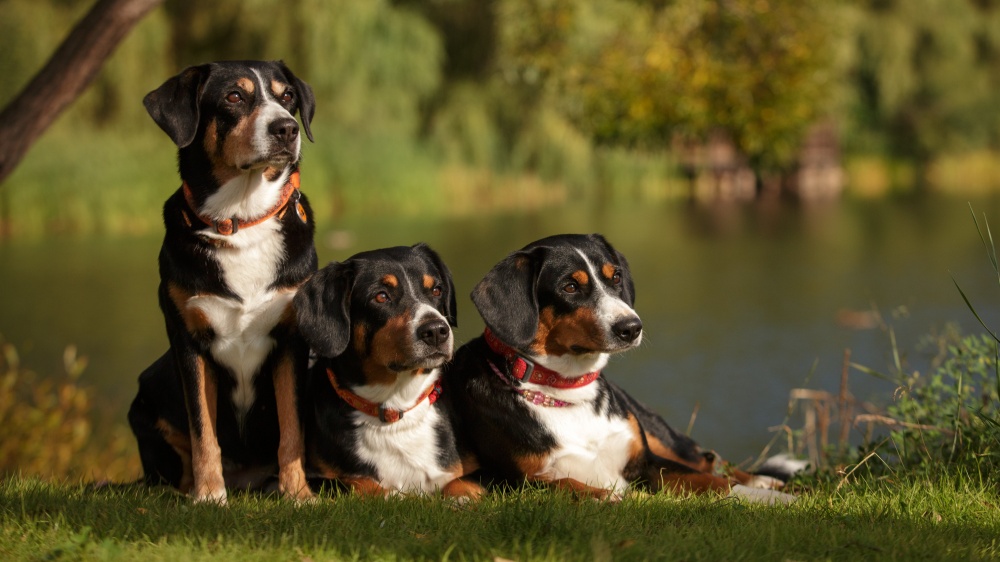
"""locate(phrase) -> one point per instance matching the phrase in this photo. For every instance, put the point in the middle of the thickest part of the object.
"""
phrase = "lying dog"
(381, 421)
(221, 405)
(530, 390)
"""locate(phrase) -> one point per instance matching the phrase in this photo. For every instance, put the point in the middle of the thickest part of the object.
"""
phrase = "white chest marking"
(591, 448)
(404, 453)
(242, 329)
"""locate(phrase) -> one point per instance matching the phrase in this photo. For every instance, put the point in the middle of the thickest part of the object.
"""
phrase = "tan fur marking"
(206, 455)
(698, 483)
(237, 149)
(636, 449)
(365, 486)
(180, 442)
(558, 335)
(428, 282)
(580, 277)
(390, 280)
(278, 88)
(247, 84)
(608, 270)
(580, 489)
(195, 319)
(462, 488)
(661, 450)
(531, 465)
(291, 446)
(390, 345)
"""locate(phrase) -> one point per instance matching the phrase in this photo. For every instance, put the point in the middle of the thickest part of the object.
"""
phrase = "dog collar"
(228, 227)
(376, 410)
(524, 370)
(533, 396)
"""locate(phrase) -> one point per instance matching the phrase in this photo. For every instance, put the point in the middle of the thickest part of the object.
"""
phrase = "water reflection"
(738, 302)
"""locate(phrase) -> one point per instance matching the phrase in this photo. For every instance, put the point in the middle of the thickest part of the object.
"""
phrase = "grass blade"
(973, 309)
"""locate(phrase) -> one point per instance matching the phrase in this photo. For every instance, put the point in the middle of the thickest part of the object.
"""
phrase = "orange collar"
(228, 227)
(385, 415)
(524, 370)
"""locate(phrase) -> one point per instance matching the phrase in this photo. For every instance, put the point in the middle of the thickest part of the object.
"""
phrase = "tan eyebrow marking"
(391, 280)
(428, 282)
(247, 84)
(278, 88)
(580, 277)
(608, 270)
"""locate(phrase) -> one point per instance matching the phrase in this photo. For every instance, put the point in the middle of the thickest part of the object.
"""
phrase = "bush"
(46, 426)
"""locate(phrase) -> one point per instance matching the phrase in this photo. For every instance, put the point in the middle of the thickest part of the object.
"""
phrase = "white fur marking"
(242, 329)
(404, 452)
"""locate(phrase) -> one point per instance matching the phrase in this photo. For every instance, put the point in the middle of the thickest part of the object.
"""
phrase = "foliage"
(47, 428)
(953, 520)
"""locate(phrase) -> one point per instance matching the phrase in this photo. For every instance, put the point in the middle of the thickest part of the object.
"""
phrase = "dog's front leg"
(200, 395)
(291, 444)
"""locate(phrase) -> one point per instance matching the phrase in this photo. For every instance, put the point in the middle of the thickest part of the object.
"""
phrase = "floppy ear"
(306, 99)
(628, 286)
(175, 105)
(323, 311)
(507, 297)
(450, 304)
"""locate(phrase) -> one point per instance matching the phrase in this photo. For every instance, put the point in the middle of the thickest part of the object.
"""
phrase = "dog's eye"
(436, 291)
(288, 96)
(381, 297)
(616, 279)
(234, 97)
(571, 287)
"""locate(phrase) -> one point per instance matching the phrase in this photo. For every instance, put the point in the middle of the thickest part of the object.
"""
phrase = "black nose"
(284, 130)
(628, 329)
(434, 332)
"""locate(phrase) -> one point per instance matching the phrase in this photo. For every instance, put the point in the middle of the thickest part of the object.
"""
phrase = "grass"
(908, 520)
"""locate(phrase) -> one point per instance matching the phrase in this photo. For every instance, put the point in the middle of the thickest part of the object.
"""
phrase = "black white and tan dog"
(220, 407)
(381, 421)
(530, 389)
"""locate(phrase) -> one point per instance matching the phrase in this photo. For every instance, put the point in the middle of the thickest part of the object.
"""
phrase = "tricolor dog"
(530, 389)
(220, 407)
(381, 420)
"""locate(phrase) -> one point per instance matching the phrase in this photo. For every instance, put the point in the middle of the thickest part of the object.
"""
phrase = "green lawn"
(886, 521)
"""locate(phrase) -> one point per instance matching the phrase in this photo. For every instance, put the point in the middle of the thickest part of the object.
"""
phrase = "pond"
(740, 304)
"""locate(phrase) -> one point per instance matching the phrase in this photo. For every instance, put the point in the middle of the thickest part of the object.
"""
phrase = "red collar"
(227, 227)
(386, 415)
(524, 370)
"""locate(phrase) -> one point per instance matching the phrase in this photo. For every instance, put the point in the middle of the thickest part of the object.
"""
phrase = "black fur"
(197, 110)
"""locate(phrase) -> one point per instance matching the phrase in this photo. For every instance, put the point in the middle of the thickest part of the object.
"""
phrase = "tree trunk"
(65, 76)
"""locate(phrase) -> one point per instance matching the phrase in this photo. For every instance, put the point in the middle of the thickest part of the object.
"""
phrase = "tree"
(65, 76)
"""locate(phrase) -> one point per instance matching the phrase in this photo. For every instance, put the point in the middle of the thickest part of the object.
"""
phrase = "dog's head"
(388, 311)
(233, 117)
(565, 300)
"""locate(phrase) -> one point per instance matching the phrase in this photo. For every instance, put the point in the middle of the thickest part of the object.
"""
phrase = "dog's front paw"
(293, 485)
(216, 495)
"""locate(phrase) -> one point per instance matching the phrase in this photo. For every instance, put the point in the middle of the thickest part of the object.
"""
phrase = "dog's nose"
(284, 130)
(628, 329)
(434, 332)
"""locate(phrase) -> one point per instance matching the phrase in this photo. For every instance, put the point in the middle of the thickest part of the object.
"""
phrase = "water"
(738, 303)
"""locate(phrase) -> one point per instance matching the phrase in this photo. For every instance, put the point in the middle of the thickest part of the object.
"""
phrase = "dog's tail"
(782, 467)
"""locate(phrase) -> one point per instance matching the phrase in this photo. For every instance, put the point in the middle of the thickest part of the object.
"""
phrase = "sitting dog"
(381, 421)
(220, 407)
(530, 390)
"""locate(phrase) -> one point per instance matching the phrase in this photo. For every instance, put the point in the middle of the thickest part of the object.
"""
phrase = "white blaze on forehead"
(610, 308)
(269, 111)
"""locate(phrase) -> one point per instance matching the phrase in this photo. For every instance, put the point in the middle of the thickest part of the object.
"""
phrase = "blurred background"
(789, 180)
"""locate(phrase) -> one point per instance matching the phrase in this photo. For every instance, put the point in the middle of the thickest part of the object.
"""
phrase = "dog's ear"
(175, 104)
(628, 286)
(450, 301)
(306, 99)
(507, 297)
(323, 309)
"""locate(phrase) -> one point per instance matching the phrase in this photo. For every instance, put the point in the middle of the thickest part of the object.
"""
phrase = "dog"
(530, 389)
(381, 421)
(221, 405)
